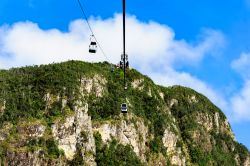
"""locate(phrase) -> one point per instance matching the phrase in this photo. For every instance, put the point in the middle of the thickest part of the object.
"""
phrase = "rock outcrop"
(74, 131)
(127, 133)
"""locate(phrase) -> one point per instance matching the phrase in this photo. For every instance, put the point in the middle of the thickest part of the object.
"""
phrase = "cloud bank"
(240, 102)
(152, 49)
(24, 43)
(242, 65)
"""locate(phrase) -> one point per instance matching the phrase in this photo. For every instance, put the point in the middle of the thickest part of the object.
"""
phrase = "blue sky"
(202, 44)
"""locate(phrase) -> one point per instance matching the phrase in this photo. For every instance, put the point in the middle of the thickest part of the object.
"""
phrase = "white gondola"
(124, 108)
(93, 45)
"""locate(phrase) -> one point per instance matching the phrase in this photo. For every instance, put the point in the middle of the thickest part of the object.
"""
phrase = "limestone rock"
(126, 133)
(93, 85)
(169, 141)
(31, 130)
(31, 159)
(138, 84)
(68, 134)
(173, 102)
(2, 107)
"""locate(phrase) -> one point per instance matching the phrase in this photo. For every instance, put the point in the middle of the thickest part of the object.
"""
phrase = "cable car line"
(91, 30)
(124, 57)
(124, 42)
(124, 63)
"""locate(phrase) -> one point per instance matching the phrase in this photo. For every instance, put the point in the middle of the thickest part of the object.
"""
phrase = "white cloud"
(242, 65)
(27, 44)
(241, 103)
(152, 48)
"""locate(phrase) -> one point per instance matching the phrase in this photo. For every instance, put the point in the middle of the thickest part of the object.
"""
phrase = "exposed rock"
(192, 99)
(205, 120)
(161, 95)
(126, 133)
(95, 84)
(5, 131)
(178, 158)
(225, 128)
(157, 160)
(173, 102)
(3, 136)
(68, 134)
(31, 159)
(64, 102)
(84, 124)
(216, 121)
(2, 107)
(37, 131)
(202, 139)
(247, 162)
(222, 126)
(107, 131)
(169, 141)
(50, 99)
(237, 159)
(150, 92)
(30, 130)
(138, 84)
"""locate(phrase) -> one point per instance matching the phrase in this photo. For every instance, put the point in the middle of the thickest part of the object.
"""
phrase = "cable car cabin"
(124, 108)
(92, 47)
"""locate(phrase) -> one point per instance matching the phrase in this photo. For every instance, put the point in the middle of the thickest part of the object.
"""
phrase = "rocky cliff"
(69, 114)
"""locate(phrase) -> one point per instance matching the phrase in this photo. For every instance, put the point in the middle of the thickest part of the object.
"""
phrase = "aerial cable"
(91, 30)
(124, 41)
(124, 57)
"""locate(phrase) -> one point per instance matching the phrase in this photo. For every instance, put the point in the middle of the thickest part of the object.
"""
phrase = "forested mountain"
(69, 114)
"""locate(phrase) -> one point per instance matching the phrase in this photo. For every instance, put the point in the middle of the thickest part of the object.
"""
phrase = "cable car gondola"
(124, 108)
(93, 45)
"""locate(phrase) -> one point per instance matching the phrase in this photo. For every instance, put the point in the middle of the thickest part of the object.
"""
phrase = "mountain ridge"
(69, 114)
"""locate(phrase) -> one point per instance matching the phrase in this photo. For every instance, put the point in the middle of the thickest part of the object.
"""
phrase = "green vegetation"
(78, 158)
(25, 91)
(49, 146)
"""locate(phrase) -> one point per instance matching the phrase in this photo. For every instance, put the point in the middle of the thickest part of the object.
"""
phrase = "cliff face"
(69, 114)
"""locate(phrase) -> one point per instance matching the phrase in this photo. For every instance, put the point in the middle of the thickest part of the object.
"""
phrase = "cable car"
(124, 108)
(93, 45)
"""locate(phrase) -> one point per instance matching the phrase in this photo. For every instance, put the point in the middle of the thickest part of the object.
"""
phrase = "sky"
(199, 44)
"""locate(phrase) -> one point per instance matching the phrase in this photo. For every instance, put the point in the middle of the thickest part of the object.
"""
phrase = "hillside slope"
(69, 114)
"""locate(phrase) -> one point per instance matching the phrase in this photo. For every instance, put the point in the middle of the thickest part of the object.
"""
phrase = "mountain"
(69, 114)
